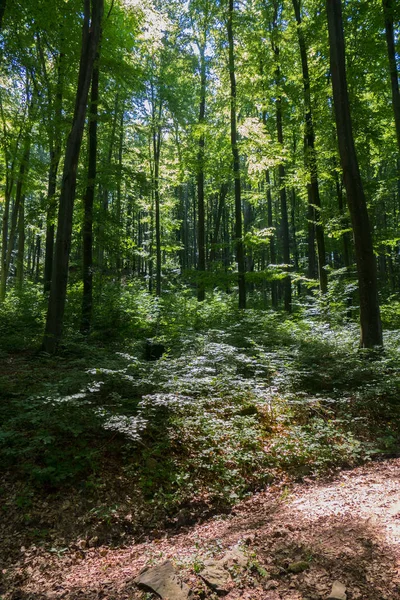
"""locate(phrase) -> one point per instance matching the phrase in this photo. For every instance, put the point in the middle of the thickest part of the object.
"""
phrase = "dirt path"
(347, 529)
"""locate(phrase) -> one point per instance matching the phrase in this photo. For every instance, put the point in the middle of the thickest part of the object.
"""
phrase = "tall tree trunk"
(388, 10)
(223, 190)
(346, 239)
(88, 201)
(272, 248)
(287, 285)
(91, 31)
(311, 160)
(10, 160)
(101, 242)
(119, 262)
(37, 253)
(294, 238)
(55, 155)
(15, 212)
(5, 241)
(21, 244)
(156, 151)
(240, 257)
(371, 329)
(201, 265)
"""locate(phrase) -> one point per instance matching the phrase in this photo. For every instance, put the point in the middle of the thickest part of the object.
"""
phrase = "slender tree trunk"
(156, 151)
(101, 245)
(346, 237)
(10, 170)
(151, 240)
(294, 238)
(91, 31)
(5, 223)
(371, 329)
(55, 155)
(217, 225)
(201, 265)
(272, 248)
(240, 255)
(15, 212)
(37, 254)
(388, 10)
(311, 162)
(119, 262)
(21, 244)
(88, 201)
(287, 285)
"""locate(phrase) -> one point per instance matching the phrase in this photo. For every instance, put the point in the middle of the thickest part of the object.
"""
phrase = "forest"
(199, 299)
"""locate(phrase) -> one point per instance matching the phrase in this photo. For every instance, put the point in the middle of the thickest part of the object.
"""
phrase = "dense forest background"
(200, 206)
(196, 148)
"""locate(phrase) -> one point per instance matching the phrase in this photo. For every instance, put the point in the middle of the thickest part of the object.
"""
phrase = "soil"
(346, 528)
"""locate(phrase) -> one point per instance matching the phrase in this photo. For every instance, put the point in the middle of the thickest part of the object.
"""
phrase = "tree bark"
(314, 199)
(272, 248)
(55, 155)
(21, 244)
(240, 255)
(15, 212)
(156, 150)
(119, 263)
(223, 190)
(101, 241)
(201, 265)
(91, 31)
(371, 329)
(88, 201)
(287, 284)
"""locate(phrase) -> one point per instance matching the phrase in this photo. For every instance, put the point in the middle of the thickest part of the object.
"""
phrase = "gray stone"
(162, 579)
(338, 591)
(215, 576)
(234, 557)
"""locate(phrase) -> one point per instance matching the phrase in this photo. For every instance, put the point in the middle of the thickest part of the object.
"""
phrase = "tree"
(91, 32)
(87, 232)
(287, 286)
(202, 31)
(240, 257)
(314, 200)
(371, 329)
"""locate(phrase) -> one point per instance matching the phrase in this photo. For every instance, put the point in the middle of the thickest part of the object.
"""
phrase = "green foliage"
(22, 319)
(236, 399)
(51, 441)
(390, 313)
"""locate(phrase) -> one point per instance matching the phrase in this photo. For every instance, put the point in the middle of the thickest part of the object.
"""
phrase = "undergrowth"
(237, 400)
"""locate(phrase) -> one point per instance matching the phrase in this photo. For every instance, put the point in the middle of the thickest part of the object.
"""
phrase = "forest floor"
(344, 528)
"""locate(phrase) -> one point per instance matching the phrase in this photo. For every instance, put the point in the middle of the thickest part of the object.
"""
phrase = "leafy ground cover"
(100, 442)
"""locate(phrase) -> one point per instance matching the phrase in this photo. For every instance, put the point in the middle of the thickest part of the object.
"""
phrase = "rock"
(338, 591)
(298, 567)
(234, 557)
(215, 576)
(162, 579)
